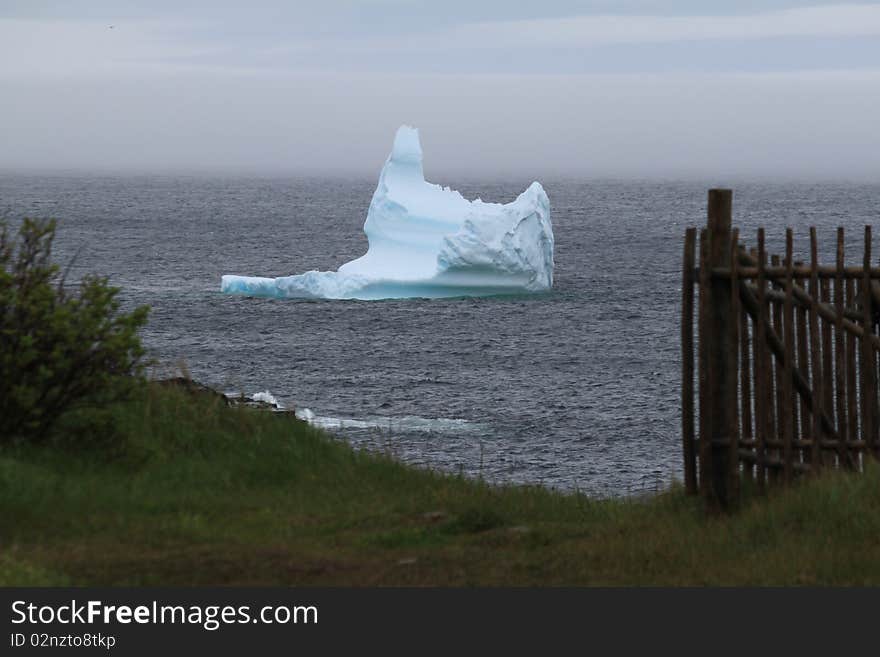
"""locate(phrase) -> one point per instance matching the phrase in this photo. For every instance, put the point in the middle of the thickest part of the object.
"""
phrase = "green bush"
(59, 349)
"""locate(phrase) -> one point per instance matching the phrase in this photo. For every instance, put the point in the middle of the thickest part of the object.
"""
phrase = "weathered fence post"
(719, 345)
(687, 362)
(763, 371)
(869, 400)
(788, 363)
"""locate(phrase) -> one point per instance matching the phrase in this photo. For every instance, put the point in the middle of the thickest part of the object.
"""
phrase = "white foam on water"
(405, 423)
(265, 397)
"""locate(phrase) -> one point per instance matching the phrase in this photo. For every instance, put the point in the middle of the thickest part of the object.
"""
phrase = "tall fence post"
(719, 343)
(687, 362)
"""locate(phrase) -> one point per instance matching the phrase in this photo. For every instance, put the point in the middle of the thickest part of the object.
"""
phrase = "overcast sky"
(604, 89)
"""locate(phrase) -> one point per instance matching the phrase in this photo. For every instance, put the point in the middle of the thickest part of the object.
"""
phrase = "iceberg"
(429, 241)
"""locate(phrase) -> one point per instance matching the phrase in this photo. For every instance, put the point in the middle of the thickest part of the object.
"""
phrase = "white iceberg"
(429, 241)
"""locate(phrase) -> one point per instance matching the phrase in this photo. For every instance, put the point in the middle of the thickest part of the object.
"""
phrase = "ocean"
(576, 389)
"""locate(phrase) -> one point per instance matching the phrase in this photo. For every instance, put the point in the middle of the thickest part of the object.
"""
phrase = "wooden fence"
(787, 360)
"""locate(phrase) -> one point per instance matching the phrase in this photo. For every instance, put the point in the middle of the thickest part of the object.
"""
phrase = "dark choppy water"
(574, 389)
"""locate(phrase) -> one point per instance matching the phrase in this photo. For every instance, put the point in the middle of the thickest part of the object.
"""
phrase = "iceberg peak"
(429, 241)
(407, 147)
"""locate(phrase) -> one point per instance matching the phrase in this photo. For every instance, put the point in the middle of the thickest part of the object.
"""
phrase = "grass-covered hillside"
(176, 488)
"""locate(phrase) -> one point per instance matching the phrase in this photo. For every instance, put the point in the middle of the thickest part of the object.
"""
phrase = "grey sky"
(638, 88)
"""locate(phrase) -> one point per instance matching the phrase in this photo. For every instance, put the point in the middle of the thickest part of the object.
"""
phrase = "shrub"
(58, 349)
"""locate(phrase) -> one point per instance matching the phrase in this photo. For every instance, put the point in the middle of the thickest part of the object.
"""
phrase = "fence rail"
(786, 359)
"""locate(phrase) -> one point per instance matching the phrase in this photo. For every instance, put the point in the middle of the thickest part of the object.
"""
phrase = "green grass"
(176, 489)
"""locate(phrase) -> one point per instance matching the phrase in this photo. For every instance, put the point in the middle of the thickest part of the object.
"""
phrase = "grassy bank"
(177, 489)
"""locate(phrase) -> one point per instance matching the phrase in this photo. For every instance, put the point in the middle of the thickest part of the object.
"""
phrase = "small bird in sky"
(112, 26)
